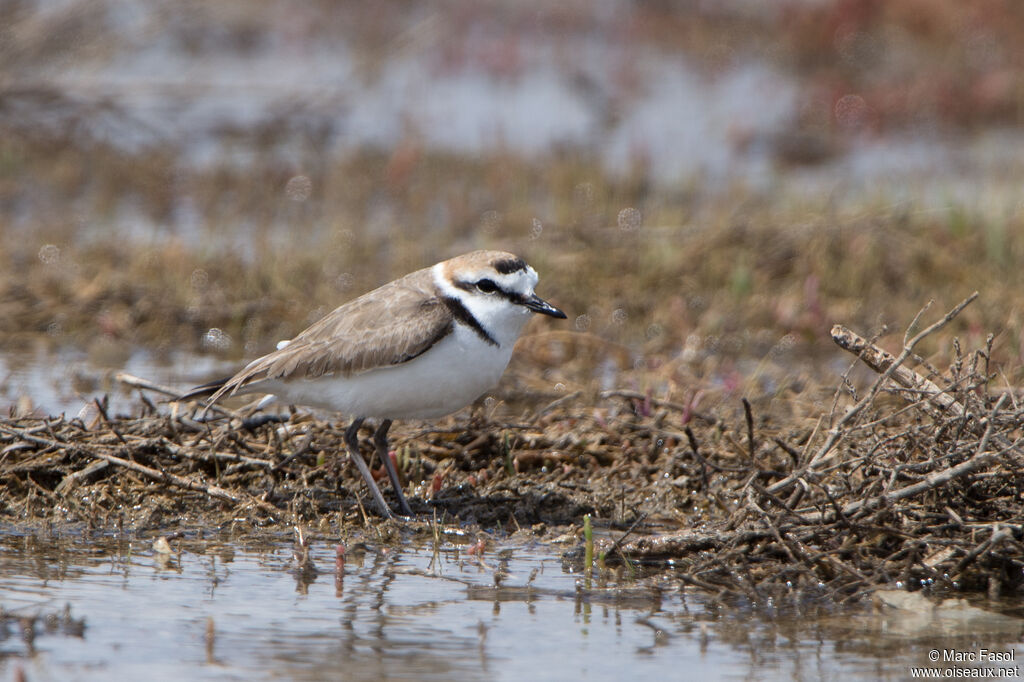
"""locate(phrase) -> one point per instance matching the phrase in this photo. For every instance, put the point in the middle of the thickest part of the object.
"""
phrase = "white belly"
(449, 376)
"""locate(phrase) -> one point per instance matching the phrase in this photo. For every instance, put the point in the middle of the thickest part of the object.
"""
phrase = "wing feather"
(388, 326)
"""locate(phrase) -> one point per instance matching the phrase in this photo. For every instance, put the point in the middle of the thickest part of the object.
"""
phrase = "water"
(467, 89)
(235, 608)
(464, 84)
(67, 380)
(391, 616)
(297, 88)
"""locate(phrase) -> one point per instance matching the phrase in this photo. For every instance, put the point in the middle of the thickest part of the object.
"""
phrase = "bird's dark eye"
(487, 286)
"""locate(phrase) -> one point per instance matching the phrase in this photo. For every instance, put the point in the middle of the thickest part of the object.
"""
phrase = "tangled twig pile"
(925, 491)
(915, 480)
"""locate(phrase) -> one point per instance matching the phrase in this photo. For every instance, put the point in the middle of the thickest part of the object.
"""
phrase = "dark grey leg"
(380, 441)
(352, 440)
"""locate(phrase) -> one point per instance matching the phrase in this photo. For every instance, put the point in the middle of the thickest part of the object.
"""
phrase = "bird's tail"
(204, 391)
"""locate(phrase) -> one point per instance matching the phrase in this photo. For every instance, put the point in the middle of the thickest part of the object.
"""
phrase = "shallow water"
(465, 85)
(67, 380)
(233, 608)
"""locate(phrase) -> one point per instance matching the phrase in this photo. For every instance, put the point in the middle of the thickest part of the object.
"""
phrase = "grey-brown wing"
(388, 326)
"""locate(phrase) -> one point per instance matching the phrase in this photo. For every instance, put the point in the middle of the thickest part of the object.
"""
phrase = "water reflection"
(234, 607)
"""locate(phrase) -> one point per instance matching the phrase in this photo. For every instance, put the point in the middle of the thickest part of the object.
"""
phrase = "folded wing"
(388, 326)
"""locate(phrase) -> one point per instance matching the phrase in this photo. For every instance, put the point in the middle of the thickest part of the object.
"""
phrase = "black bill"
(539, 305)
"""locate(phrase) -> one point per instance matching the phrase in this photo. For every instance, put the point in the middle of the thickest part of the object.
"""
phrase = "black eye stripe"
(512, 296)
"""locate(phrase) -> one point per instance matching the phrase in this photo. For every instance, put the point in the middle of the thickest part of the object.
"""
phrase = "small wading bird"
(420, 347)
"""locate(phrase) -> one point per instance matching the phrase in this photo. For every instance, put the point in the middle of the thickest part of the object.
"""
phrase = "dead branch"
(839, 431)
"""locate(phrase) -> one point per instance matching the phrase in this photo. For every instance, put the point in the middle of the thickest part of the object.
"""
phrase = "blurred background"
(705, 187)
